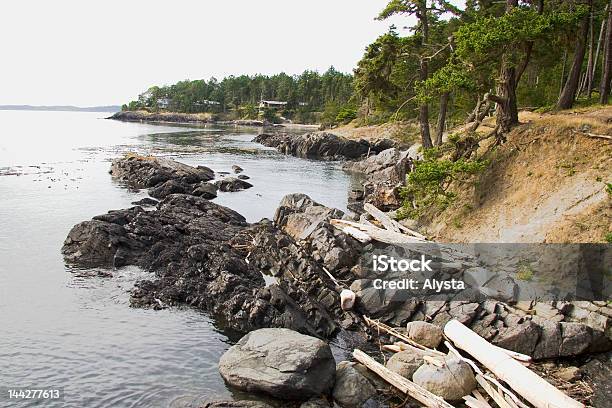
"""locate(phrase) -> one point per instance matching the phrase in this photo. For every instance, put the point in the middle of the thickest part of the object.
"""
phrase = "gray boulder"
(405, 363)
(280, 362)
(426, 334)
(352, 389)
(451, 382)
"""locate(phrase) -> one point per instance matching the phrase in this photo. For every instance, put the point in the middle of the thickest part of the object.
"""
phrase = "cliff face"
(548, 183)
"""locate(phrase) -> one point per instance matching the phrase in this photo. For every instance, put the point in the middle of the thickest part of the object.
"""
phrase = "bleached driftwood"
(376, 233)
(490, 390)
(390, 330)
(401, 383)
(381, 217)
(525, 382)
(598, 136)
(358, 235)
(389, 223)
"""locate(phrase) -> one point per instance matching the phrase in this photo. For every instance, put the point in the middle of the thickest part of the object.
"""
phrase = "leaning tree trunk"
(568, 95)
(606, 76)
(442, 117)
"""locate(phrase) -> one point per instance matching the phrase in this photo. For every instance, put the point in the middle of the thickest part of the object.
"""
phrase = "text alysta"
(384, 263)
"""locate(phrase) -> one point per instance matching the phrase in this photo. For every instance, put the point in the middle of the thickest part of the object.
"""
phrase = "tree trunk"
(442, 117)
(606, 76)
(423, 75)
(507, 111)
(563, 72)
(591, 63)
(566, 100)
(602, 31)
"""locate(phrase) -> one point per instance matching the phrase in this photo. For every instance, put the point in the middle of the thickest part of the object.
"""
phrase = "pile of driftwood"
(523, 388)
(389, 231)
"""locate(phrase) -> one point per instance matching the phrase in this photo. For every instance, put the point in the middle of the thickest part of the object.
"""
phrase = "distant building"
(163, 103)
(272, 105)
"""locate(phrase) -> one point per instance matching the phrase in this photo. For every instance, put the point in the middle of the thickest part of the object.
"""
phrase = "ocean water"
(73, 329)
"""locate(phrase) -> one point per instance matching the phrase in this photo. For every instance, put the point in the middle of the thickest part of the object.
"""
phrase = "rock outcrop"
(319, 145)
(232, 184)
(281, 363)
(163, 176)
(198, 251)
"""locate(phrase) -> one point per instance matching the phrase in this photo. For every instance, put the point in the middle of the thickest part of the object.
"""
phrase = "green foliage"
(248, 111)
(609, 189)
(305, 93)
(346, 114)
(270, 115)
(427, 186)
(608, 237)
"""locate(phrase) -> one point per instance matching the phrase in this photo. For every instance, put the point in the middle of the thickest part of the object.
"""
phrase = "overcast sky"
(96, 53)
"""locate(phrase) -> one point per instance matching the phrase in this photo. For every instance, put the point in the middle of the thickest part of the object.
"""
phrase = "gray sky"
(95, 53)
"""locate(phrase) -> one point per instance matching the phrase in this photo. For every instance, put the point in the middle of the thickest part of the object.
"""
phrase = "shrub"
(427, 186)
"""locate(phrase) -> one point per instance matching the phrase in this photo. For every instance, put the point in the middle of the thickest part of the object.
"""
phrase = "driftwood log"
(525, 382)
(375, 233)
(403, 384)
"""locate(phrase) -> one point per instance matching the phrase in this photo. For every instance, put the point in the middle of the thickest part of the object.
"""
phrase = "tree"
(424, 13)
(568, 95)
(606, 76)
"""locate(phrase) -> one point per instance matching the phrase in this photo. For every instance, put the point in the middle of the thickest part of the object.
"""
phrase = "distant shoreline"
(61, 108)
(197, 118)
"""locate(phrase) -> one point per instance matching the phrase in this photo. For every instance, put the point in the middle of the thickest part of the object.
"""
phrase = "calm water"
(68, 329)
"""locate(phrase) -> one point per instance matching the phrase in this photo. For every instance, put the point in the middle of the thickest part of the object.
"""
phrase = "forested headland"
(453, 65)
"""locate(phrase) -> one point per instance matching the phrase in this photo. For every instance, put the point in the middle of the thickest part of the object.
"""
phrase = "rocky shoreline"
(177, 117)
(208, 257)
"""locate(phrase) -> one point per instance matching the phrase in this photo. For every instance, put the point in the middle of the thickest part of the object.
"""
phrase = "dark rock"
(237, 169)
(521, 338)
(351, 389)
(281, 363)
(146, 202)
(169, 187)
(316, 403)
(243, 177)
(317, 145)
(147, 171)
(205, 190)
(191, 244)
(236, 404)
(232, 184)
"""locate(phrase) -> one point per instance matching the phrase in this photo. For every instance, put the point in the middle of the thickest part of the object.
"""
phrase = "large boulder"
(406, 362)
(280, 362)
(452, 381)
(352, 389)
